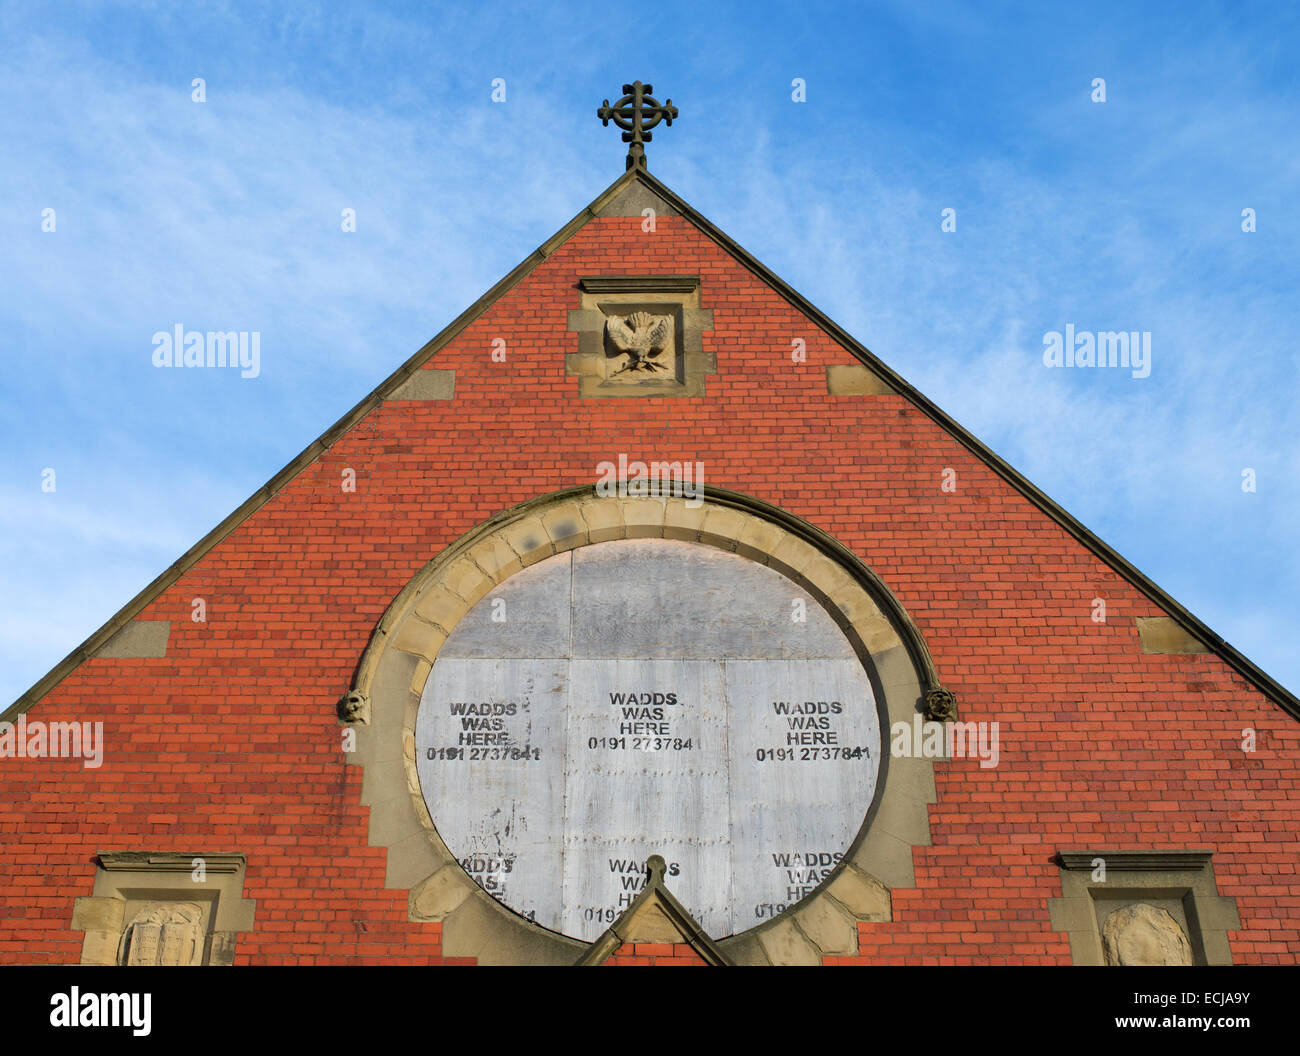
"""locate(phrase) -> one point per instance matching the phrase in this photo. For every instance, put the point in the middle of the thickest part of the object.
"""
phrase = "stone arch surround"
(393, 669)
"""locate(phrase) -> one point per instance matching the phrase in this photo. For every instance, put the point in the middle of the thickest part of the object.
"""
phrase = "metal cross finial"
(637, 113)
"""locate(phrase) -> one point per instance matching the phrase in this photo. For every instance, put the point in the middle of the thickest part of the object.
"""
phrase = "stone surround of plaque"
(636, 697)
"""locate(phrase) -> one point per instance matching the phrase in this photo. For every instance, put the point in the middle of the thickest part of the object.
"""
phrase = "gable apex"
(634, 198)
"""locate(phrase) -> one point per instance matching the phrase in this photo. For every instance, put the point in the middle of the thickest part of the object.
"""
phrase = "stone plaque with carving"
(639, 345)
(164, 933)
(648, 696)
(1141, 934)
(640, 336)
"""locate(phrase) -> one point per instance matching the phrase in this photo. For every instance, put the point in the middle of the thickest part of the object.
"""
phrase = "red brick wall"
(230, 742)
(657, 955)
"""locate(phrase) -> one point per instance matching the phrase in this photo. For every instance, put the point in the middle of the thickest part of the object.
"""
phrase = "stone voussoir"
(644, 518)
(419, 638)
(785, 943)
(439, 894)
(861, 894)
(496, 560)
(878, 634)
(758, 539)
(604, 519)
(466, 580)
(529, 539)
(722, 527)
(420, 676)
(439, 606)
(830, 581)
(792, 555)
(566, 527)
(682, 520)
(829, 926)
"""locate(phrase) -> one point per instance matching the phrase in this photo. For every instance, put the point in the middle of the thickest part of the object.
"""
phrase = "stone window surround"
(391, 675)
(164, 876)
(1181, 881)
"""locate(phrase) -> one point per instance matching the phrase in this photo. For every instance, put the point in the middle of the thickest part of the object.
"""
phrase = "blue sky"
(1122, 215)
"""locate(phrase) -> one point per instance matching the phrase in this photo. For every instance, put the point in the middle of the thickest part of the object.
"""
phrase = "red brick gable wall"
(230, 742)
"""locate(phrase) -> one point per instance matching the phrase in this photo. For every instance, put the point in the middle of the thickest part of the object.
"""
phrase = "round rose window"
(642, 697)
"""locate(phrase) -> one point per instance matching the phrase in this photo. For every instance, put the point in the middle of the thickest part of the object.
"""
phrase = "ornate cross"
(636, 113)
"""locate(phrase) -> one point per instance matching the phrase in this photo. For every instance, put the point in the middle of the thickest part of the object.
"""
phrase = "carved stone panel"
(640, 344)
(164, 933)
(640, 336)
(1140, 934)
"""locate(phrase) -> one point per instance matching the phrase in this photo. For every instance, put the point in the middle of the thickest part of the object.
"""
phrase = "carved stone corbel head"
(940, 705)
(354, 708)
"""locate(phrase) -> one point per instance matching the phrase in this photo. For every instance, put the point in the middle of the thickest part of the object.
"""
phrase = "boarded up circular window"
(642, 697)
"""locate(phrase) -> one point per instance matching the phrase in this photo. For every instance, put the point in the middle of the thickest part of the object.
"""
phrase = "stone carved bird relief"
(643, 337)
